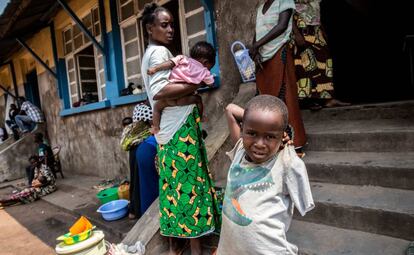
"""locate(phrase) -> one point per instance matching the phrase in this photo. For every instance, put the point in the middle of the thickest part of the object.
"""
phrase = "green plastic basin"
(108, 195)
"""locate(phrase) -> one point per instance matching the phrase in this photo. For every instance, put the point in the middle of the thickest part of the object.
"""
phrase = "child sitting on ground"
(264, 183)
(194, 70)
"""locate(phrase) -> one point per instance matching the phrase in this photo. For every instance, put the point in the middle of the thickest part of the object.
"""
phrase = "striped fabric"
(266, 22)
(33, 112)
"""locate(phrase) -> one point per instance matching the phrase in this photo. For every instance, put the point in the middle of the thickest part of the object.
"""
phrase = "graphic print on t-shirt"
(241, 180)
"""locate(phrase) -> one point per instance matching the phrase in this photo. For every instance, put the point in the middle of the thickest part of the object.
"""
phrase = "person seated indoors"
(264, 184)
(194, 70)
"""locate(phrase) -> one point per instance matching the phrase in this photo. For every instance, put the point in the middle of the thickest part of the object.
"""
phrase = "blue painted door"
(31, 89)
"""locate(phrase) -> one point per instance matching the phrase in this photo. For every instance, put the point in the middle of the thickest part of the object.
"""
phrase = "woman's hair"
(126, 121)
(150, 13)
(203, 50)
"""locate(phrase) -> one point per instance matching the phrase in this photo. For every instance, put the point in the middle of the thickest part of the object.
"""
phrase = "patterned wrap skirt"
(314, 69)
(188, 201)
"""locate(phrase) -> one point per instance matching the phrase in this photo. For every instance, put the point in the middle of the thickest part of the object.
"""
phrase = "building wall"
(90, 140)
(235, 20)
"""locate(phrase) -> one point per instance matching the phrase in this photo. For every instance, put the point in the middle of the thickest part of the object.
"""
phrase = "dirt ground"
(32, 229)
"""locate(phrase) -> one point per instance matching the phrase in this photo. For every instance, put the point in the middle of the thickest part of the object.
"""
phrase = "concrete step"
(386, 169)
(371, 209)
(318, 239)
(391, 110)
(381, 135)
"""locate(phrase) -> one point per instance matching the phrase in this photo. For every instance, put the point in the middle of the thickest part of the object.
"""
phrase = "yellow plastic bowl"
(68, 239)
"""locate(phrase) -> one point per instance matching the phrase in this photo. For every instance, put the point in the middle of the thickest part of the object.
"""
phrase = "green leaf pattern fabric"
(188, 201)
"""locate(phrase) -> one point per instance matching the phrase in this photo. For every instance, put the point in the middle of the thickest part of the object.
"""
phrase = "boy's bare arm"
(234, 115)
(167, 65)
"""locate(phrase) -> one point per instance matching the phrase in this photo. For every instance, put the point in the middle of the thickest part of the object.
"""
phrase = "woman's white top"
(172, 118)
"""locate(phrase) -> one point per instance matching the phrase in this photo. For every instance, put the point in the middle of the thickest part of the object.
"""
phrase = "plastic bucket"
(123, 192)
(108, 195)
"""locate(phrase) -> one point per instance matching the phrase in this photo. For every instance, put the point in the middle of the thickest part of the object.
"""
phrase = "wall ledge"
(130, 99)
(85, 108)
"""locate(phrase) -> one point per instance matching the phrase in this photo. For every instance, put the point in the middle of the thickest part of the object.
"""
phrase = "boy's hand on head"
(285, 141)
(151, 70)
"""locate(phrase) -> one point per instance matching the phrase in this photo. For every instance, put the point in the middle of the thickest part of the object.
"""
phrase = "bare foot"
(335, 102)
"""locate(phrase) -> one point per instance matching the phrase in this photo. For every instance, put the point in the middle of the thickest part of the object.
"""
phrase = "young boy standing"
(264, 184)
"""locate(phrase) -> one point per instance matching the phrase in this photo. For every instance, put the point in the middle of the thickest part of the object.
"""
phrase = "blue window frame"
(114, 67)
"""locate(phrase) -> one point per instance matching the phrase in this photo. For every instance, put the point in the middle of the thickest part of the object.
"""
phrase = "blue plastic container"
(245, 64)
(114, 210)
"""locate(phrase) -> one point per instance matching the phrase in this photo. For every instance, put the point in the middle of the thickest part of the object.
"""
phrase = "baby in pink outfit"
(194, 70)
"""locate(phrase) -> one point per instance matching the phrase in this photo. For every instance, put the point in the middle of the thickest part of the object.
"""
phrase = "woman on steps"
(188, 203)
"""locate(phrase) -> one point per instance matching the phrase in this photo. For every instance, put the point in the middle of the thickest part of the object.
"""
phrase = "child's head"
(126, 121)
(204, 53)
(264, 121)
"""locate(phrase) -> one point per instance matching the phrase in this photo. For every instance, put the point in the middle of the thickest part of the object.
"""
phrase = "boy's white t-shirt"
(259, 201)
(172, 118)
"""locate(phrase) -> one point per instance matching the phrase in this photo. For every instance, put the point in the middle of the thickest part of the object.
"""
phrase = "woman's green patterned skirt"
(188, 201)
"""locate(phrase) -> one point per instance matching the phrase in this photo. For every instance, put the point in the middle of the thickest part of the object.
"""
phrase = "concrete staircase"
(14, 155)
(360, 161)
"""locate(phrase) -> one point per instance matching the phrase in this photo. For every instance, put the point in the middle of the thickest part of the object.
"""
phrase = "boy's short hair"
(268, 103)
(203, 50)
(126, 121)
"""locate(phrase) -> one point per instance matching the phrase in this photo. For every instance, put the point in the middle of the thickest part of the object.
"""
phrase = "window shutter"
(72, 80)
(197, 24)
(100, 71)
(131, 52)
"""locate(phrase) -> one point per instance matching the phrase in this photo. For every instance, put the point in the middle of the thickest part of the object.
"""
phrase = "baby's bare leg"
(193, 99)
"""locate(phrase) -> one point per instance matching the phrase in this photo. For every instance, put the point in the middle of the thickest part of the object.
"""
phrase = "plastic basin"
(108, 195)
(69, 239)
(114, 210)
